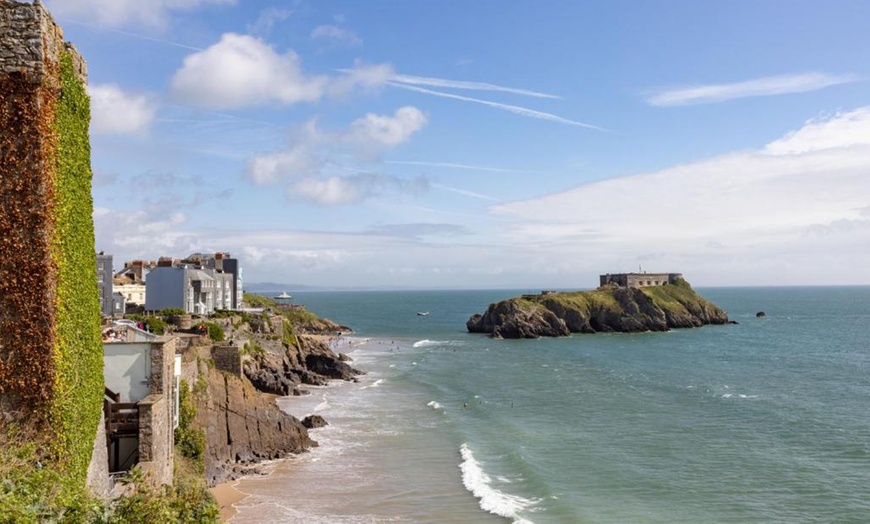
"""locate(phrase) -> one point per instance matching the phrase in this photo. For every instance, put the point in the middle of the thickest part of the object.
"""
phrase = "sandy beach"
(227, 495)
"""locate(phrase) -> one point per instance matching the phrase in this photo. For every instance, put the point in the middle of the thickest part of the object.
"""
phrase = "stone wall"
(156, 455)
(49, 309)
(98, 471)
(156, 427)
(163, 365)
(30, 40)
(227, 359)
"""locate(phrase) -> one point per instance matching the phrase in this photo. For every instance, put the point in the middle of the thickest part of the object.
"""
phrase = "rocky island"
(626, 303)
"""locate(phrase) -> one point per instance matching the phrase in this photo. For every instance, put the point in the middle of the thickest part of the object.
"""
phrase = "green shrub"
(215, 332)
(288, 336)
(170, 311)
(252, 300)
(188, 502)
(252, 348)
(156, 325)
(33, 490)
(189, 440)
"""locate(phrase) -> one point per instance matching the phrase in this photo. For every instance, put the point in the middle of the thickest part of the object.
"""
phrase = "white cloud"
(271, 168)
(302, 164)
(140, 234)
(366, 77)
(121, 13)
(770, 203)
(767, 86)
(340, 190)
(336, 35)
(115, 111)
(385, 130)
(267, 19)
(243, 71)
(842, 130)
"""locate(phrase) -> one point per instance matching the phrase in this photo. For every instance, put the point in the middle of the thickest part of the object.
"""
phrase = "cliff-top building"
(640, 279)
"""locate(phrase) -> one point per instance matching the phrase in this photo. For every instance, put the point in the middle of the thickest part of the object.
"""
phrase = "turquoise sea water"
(765, 421)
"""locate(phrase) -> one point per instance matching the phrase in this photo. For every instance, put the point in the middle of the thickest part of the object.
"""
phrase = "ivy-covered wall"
(51, 367)
(78, 350)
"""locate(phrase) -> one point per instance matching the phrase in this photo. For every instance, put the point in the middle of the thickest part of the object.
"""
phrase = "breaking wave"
(492, 500)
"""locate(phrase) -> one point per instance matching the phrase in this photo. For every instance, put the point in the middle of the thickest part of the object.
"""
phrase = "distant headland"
(625, 302)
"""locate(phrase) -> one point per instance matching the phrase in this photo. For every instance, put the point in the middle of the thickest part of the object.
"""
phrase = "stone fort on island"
(640, 279)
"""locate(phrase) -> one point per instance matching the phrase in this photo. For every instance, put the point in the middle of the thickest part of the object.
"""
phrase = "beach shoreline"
(228, 495)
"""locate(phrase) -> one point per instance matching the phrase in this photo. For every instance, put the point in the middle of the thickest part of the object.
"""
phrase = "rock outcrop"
(607, 309)
(281, 370)
(237, 410)
(243, 427)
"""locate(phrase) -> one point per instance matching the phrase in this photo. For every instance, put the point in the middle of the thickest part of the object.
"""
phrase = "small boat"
(423, 313)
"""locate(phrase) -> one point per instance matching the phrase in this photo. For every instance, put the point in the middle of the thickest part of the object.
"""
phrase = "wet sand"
(227, 496)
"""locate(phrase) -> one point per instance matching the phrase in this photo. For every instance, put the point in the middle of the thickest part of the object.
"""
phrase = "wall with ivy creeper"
(51, 367)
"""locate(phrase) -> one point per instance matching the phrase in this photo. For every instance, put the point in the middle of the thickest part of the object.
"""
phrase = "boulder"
(314, 421)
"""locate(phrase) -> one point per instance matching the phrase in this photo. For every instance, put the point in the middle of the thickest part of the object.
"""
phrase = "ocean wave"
(428, 343)
(434, 405)
(374, 384)
(492, 500)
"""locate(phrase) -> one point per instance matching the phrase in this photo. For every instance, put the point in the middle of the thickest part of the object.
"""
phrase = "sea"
(764, 421)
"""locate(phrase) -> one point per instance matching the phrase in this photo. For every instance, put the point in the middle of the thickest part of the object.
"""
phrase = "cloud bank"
(803, 194)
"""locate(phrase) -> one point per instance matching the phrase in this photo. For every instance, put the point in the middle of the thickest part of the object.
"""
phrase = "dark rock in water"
(760, 314)
(607, 309)
(329, 366)
(314, 421)
(733, 322)
(344, 358)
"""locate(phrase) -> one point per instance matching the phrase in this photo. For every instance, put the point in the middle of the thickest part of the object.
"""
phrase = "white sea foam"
(428, 343)
(392, 366)
(740, 395)
(492, 500)
(375, 384)
(434, 405)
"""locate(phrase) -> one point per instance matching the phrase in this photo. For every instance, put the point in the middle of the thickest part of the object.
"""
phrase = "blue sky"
(483, 144)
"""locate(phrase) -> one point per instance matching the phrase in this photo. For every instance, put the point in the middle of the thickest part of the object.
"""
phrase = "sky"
(484, 144)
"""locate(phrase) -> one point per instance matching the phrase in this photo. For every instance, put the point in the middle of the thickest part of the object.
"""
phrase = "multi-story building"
(182, 286)
(104, 282)
(222, 263)
(134, 293)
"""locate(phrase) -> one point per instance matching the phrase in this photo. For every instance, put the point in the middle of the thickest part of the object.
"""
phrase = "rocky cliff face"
(607, 309)
(280, 370)
(243, 426)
